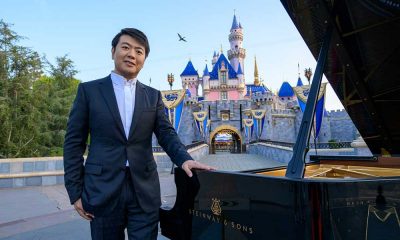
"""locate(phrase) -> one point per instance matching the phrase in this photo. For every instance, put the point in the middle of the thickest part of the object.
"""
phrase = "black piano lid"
(363, 65)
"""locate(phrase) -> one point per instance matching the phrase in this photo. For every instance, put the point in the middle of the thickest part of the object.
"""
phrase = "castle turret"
(299, 82)
(206, 83)
(214, 59)
(236, 53)
(242, 84)
(190, 79)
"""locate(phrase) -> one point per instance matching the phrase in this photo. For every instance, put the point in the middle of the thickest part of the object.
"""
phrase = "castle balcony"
(223, 87)
(240, 52)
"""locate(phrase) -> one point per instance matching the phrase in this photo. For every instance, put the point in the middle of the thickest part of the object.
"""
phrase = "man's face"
(129, 56)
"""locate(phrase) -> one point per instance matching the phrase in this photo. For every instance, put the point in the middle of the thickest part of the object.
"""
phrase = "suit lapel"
(140, 101)
(107, 90)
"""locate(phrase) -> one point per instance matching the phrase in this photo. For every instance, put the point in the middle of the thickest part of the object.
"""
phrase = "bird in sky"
(181, 38)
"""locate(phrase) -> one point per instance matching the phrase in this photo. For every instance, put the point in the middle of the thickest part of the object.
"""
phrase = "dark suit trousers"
(123, 212)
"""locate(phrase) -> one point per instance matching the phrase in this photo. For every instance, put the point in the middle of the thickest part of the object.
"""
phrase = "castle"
(227, 101)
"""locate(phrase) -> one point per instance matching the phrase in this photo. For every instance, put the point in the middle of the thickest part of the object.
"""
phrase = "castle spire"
(256, 79)
(235, 24)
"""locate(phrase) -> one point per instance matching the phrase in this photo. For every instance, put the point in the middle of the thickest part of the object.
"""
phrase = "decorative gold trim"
(173, 103)
(299, 91)
(258, 113)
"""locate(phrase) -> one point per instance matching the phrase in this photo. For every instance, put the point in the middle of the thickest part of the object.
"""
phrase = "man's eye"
(139, 52)
(125, 47)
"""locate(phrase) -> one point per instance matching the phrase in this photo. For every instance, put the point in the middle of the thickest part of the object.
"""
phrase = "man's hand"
(190, 164)
(78, 207)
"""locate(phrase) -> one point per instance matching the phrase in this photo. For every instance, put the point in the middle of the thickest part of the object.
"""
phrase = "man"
(118, 187)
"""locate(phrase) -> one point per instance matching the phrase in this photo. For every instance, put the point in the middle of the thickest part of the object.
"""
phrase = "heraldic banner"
(173, 101)
(202, 123)
(258, 122)
(248, 128)
(302, 95)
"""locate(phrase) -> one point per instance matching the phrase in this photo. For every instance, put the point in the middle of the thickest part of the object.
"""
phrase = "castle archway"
(225, 138)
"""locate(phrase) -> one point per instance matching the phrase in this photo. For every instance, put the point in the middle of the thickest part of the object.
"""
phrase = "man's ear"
(112, 53)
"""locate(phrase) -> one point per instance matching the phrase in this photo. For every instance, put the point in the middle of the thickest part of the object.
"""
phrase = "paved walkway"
(45, 213)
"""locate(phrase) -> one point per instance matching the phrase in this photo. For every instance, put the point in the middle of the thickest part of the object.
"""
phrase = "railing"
(331, 145)
(326, 145)
(189, 146)
(283, 144)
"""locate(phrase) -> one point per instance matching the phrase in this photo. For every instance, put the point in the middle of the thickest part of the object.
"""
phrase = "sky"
(83, 31)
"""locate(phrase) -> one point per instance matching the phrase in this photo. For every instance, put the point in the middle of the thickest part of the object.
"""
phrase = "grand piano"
(357, 47)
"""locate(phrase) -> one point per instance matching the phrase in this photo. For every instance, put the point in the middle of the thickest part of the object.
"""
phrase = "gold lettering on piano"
(222, 220)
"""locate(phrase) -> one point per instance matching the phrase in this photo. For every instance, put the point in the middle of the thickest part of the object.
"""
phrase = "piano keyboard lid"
(363, 61)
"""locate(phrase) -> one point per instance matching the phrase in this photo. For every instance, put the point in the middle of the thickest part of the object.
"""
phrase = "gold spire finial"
(222, 51)
(256, 79)
(298, 68)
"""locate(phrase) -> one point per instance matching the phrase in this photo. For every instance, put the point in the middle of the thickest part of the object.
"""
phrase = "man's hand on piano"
(191, 164)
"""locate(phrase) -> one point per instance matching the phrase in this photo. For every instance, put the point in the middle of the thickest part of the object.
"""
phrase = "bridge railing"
(323, 145)
(189, 146)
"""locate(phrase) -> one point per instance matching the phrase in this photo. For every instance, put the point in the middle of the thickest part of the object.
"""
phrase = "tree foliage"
(34, 107)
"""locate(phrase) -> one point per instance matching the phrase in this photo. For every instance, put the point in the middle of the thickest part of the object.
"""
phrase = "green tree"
(60, 88)
(19, 68)
(34, 107)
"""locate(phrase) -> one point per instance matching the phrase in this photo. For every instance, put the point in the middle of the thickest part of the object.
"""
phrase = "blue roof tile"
(255, 89)
(299, 82)
(189, 70)
(205, 72)
(217, 66)
(239, 70)
(235, 24)
(285, 90)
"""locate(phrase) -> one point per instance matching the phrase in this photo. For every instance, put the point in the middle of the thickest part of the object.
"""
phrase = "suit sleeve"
(75, 145)
(167, 136)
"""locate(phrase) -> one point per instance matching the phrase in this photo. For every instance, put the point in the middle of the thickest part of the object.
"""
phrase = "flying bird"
(181, 38)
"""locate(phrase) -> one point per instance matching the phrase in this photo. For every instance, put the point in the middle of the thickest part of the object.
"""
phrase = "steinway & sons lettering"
(221, 220)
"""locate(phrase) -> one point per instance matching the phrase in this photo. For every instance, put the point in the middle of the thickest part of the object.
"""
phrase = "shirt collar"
(120, 80)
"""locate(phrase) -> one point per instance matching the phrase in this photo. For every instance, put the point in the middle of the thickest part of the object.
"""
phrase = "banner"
(258, 119)
(173, 101)
(202, 123)
(302, 93)
(248, 127)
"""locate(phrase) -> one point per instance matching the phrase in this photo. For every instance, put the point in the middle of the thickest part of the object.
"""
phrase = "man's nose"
(132, 54)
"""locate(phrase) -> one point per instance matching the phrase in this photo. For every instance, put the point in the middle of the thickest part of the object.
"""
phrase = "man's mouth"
(129, 63)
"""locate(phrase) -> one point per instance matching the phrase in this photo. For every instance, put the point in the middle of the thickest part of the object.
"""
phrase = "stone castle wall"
(280, 124)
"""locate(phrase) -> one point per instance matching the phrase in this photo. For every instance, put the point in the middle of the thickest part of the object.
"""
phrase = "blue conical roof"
(214, 72)
(205, 72)
(235, 24)
(285, 90)
(299, 82)
(189, 70)
(239, 71)
(240, 26)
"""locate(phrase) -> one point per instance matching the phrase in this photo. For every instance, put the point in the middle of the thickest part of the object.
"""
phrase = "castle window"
(223, 77)
(224, 96)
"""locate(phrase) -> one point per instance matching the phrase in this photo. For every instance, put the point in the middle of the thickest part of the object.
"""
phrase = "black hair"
(134, 33)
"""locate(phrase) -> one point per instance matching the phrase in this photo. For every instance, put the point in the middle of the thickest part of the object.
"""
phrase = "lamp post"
(308, 73)
(170, 80)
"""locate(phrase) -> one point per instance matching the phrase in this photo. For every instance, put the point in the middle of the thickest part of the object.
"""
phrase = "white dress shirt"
(124, 90)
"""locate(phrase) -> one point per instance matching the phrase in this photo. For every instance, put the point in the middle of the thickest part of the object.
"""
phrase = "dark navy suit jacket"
(95, 113)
